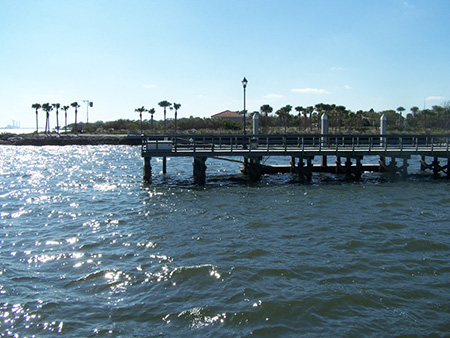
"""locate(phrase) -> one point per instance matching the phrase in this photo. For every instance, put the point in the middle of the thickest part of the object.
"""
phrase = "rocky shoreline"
(67, 139)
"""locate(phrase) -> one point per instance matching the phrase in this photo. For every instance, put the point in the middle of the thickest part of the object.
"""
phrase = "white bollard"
(324, 131)
(255, 123)
(324, 124)
(383, 124)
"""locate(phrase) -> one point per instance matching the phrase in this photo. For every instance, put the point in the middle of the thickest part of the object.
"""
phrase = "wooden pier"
(393, 152)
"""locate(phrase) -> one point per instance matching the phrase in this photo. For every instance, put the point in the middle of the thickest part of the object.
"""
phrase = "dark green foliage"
(305, 120)
(231, 125)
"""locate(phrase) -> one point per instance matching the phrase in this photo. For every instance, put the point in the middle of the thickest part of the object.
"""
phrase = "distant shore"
(66, 139)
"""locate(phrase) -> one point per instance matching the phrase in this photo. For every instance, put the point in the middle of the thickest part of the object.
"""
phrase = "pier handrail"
(191, 145)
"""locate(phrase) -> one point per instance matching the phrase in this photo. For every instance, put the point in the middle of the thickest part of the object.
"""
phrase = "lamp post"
(244, 84)
(88, 104)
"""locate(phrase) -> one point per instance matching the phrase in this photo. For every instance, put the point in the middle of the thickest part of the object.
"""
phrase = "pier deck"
(304, 147)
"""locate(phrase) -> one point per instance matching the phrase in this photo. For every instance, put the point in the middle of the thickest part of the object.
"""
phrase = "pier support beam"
(147, 168)
(423, 164)
(293, 169)
(304, 172)
(404, 168)
(382, 164)
(435, 166)
(349, 169)
(447, 167)
(308, 169)
(298, 169)
(164, 163)
(252, 167)
(392, 167)
(199, 170)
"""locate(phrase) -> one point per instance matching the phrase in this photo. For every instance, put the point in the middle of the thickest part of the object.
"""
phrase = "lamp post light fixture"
(244, 84)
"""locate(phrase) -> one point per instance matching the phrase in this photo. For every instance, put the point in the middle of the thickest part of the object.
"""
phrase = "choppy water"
(89, 250)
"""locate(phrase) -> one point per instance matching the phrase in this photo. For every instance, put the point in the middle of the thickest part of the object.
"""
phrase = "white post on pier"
(324, 131)
(255, 123)
(383, 125)
(324, 124)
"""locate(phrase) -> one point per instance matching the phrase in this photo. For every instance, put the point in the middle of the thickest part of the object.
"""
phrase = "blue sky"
(126, 54)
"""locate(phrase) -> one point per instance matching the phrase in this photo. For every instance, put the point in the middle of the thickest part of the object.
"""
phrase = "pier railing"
(294, 145)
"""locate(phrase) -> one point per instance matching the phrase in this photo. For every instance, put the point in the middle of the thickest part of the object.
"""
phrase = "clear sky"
(122, 55)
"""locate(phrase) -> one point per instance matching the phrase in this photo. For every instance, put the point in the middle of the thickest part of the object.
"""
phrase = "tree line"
(286, 119)
(341, 119)
(47, 108)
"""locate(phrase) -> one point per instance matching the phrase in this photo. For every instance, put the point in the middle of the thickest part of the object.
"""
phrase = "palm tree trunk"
(267, 122)
(47, 125)
(37, 129)
(165, 128)
(176, 121)
(57, 121)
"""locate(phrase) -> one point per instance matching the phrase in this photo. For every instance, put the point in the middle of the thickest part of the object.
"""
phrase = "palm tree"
(176, 106)
(140, 111)
(287, 110)
(414, 111)
(310, 110)
(400, 110)
(47, 108)
(266, 109)
(435, 116)
(164, 104)
(340, 110)
(151, 111)
(76, 106)
(65, 108)
(36, 106)
(360, 115)
(299, 109)
(280, 112)
(57, 106)
(320, 108)
(305, 119)
(283, 115)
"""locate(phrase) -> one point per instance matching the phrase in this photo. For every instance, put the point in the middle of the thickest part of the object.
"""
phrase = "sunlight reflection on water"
(89, 249)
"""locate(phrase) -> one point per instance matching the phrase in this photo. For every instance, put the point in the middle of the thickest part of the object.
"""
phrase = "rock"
(63, 139)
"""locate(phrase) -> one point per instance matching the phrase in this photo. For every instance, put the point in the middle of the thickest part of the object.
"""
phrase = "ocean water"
(17, 130)
(87, 249)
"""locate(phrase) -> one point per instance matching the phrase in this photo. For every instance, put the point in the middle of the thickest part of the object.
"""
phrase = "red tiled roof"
(227, 113)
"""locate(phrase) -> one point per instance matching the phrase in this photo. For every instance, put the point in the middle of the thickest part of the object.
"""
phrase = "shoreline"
(33, 139)
(67, 139)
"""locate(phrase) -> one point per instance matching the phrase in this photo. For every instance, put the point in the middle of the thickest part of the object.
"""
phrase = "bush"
(231, 125)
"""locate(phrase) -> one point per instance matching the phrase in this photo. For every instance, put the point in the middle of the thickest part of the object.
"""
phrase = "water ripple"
(89, 249)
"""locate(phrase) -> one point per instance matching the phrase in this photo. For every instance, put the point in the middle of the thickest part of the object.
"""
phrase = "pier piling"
(302, 149)
(199, 170)
(252, 167)
(147, 168)
(164, 164)
(304, 172)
